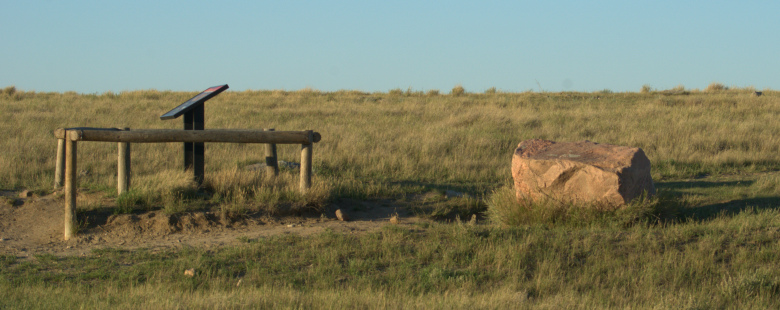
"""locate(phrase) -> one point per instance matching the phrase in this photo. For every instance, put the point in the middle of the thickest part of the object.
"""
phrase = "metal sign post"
(194, 118)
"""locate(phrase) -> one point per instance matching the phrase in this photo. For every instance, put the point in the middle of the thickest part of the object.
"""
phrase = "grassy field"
(709, 240)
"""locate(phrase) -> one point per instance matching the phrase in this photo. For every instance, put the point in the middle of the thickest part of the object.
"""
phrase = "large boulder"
(581, 172)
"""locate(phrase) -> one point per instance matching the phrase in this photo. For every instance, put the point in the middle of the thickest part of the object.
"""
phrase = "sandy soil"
(34, 225)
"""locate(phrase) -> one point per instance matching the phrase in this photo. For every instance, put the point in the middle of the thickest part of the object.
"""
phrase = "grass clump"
(715, 87)
(395, 92)
(505, 209)
(9, 90)
(238, 192)
(458, 90)
(128, 201)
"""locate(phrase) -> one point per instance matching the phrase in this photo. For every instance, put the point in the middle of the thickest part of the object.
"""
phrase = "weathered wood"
(306, 159)
(271, 162)
(189, 155)
(208, 135)
(123, 167)
(198, 148)
(125, 137)
(59, 170)
(71, 184)
(59, 133)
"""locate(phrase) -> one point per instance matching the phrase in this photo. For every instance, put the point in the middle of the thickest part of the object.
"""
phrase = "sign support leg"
(188, 155)
(198, 160)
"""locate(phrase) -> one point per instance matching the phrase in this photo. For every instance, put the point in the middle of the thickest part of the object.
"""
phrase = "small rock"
(342, 216)
(190, 272)
(394, 219)
(452, 194)
(289, 165)
(25, 194)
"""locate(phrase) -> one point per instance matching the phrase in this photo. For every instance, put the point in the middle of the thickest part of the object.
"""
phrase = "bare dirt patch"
(34, 225)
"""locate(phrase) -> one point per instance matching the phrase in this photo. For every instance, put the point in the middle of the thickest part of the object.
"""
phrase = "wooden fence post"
(123, 167)
(271, 163)
(59, 170)
(306, 155)
(71, 185)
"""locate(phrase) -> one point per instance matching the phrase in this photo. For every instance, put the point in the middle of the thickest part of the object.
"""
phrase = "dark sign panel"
(194, 102)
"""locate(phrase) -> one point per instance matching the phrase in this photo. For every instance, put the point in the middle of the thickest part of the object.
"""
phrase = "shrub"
(458, 90)
(396, 92)
(645, 89)
(10, 90)
(714, 87)
(490, 91)
(433, 92)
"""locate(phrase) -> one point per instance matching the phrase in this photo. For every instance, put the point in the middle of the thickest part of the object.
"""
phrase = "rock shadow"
(713, 210)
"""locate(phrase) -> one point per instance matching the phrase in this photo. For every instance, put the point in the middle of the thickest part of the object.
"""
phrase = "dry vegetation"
(373, 142)
(709, 240)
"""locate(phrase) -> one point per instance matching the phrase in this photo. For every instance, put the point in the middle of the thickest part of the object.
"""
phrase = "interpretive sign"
(194, 102)
(194, 118)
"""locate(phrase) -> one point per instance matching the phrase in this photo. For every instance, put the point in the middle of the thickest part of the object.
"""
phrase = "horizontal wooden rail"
(59, 133)
(175, 135)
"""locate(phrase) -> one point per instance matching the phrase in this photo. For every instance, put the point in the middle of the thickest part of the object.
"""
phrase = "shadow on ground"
(710, 210)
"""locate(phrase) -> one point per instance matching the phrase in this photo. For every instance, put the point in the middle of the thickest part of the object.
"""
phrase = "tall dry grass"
(383, 140)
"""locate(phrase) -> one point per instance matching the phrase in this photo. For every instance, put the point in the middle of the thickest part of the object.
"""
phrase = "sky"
(514, 46)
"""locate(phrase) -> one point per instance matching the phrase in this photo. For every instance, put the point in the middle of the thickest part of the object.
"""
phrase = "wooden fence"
(67, 141)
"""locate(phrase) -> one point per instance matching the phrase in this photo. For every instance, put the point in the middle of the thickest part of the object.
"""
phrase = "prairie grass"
(708, 240)
(383, 140)
(727, 262)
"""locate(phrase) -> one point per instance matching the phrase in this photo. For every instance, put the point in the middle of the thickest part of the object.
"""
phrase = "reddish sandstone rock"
(580, 172)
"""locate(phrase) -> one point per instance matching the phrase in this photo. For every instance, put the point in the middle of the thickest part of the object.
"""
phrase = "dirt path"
(33, 225)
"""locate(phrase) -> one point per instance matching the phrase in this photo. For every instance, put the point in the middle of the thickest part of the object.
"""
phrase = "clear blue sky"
(98, 46)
